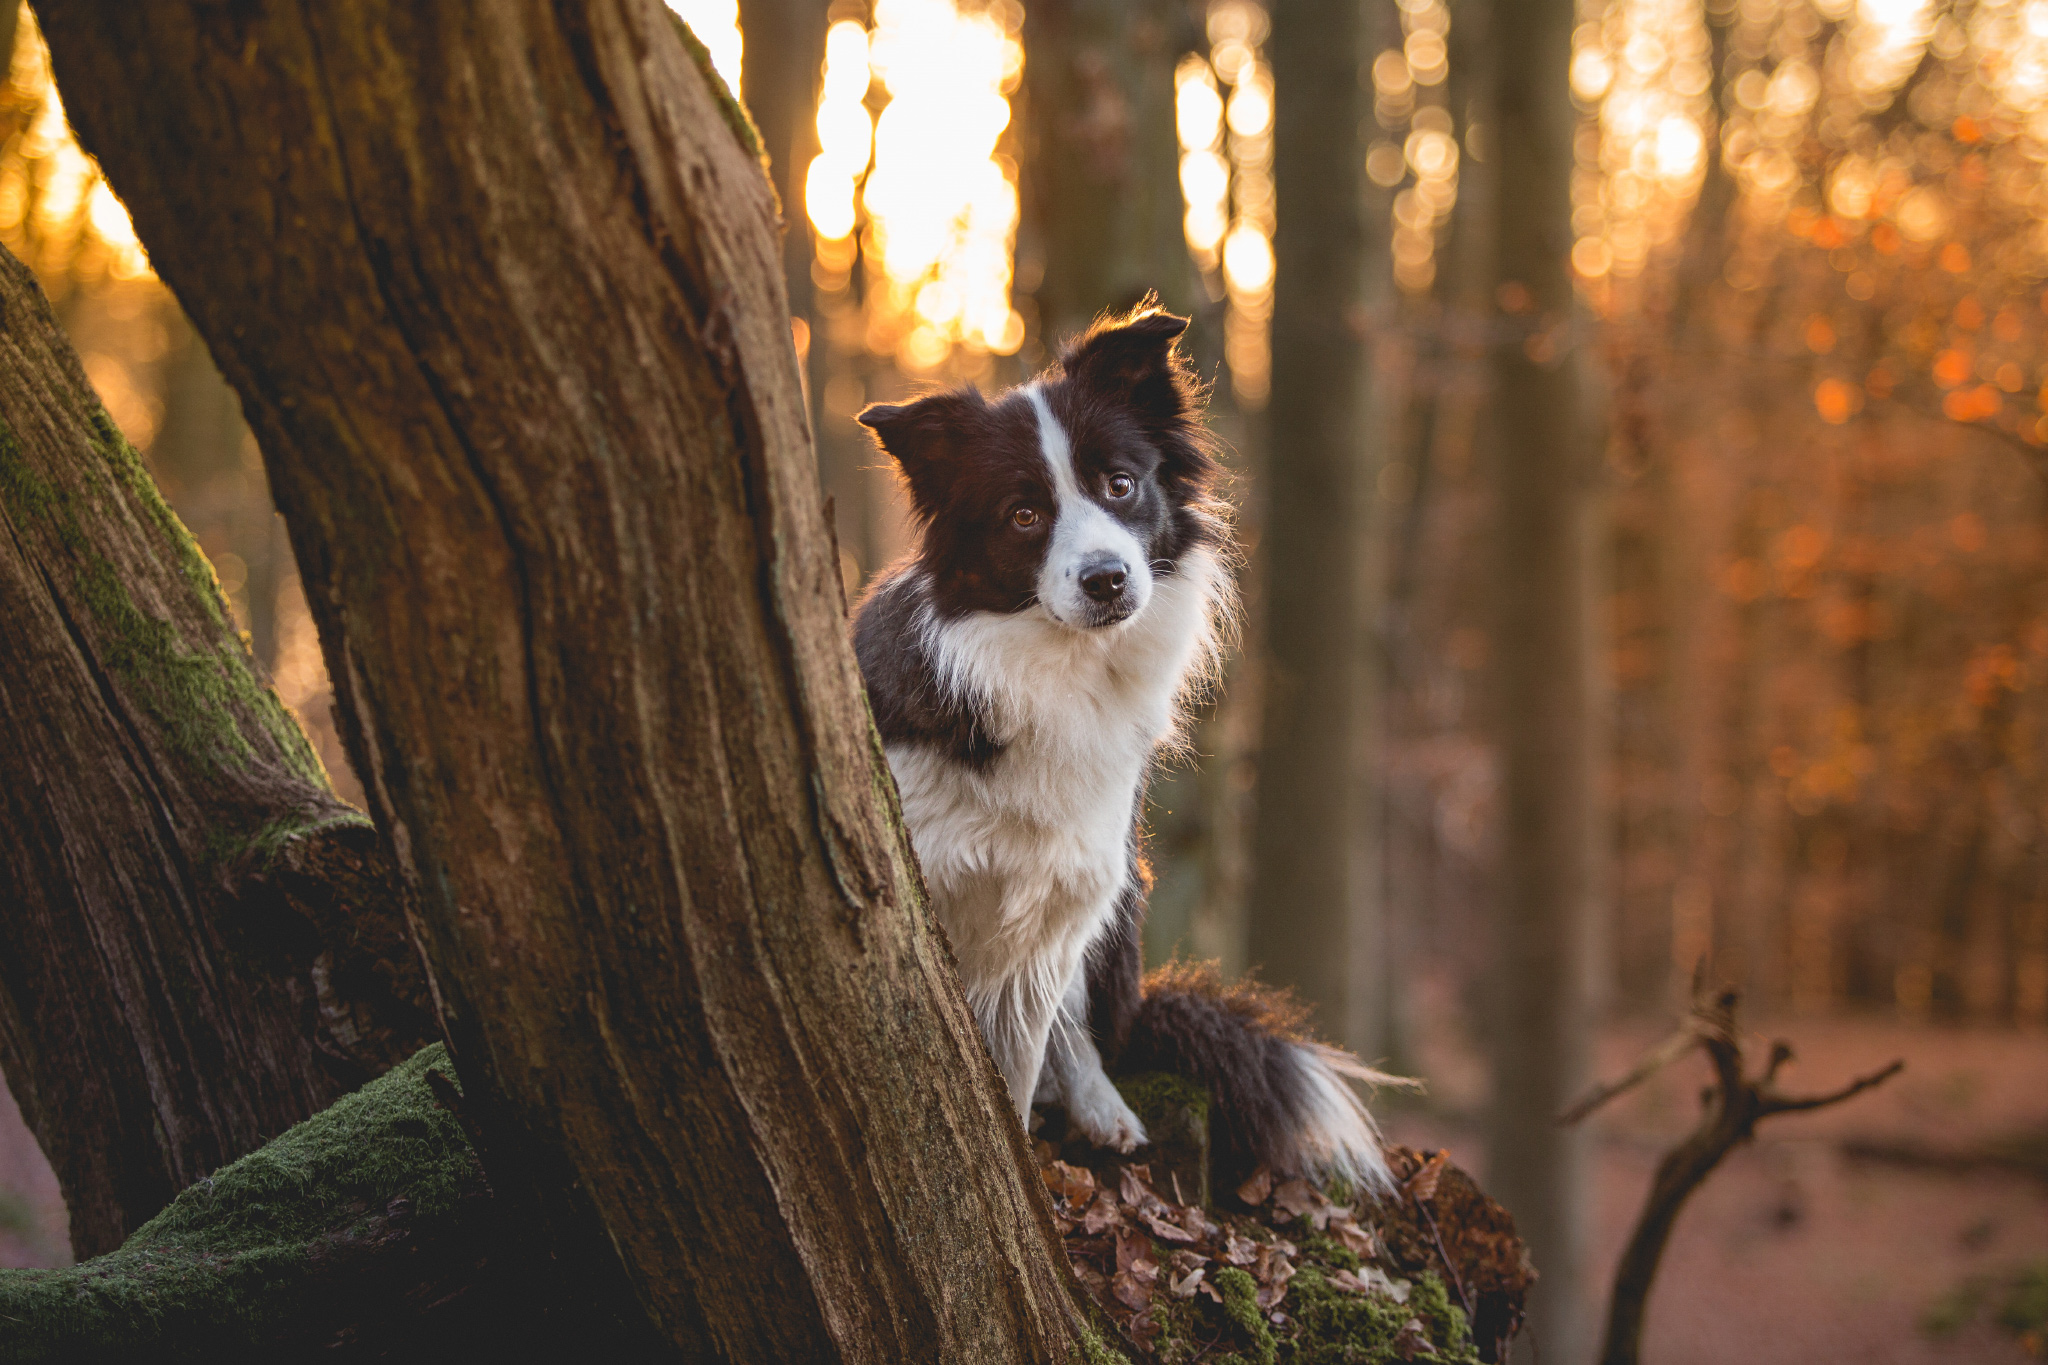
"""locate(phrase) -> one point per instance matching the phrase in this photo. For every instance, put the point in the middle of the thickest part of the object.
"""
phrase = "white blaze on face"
(1085, 537)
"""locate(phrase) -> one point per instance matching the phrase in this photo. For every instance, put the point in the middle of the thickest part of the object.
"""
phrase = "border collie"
(1026, 663)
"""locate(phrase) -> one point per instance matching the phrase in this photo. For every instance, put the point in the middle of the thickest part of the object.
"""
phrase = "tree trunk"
(499, 288)
(1306, 880)
(187, 903)
(1103, 176)
(1541, 466)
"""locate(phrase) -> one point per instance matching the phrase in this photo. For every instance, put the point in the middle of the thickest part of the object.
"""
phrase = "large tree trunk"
(200, 945)
(1545, 924)
(499, 287)
(1307, 881)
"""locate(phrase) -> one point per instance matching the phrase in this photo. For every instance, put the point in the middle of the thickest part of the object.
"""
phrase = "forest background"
(1810, 483)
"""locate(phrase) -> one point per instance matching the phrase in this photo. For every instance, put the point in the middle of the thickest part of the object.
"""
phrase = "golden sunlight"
(717, 25)
(941, 200)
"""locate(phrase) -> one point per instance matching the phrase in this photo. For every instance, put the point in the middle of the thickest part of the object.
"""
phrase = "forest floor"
(1796, 1251)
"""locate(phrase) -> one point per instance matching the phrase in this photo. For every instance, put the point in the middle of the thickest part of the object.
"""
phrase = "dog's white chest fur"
(1025, 857)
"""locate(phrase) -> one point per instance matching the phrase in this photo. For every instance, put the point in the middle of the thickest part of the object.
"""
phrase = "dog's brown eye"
(1024, 518)
(1119, 485)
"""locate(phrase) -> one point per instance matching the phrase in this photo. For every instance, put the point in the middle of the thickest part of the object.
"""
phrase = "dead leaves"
(1150, 1261)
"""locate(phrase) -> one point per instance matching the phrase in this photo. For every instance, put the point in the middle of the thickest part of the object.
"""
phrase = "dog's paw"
(1109, 1122)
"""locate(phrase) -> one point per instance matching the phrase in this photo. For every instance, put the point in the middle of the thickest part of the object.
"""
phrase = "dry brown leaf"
(1270, 1295)
(1134, 1254)
(1071, 1183)
(1421, 1186)
(1239, 1250)
(1134, 1185)
(1346, 1281)
(1255, 1190)
(1272, 1266)
(1356, 1239)
(1192, 1217)
(1413, 1341)
(1132, 1292)
(1296, 1198)
(1102, 1215)
(1164, 1230)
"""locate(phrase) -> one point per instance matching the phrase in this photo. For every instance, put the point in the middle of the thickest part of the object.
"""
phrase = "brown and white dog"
(1027, 663)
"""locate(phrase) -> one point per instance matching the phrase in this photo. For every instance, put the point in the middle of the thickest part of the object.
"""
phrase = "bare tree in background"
(1102, 183)
(1307, 881)
(1545, 925)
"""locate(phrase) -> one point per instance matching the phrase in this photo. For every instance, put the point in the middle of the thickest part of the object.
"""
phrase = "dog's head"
(1071, 493)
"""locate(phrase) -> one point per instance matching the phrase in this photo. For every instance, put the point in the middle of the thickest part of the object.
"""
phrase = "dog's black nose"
(1104, 582)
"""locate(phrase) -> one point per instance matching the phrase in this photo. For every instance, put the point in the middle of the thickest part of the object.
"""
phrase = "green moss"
(736, 116)
(131, 474)
(1241, 1305)
(1341, 1327)
(1321, 1247)
(199, 696)
(259, 850)
(1156, 1092)
(1095, 1351)
(232, 1258)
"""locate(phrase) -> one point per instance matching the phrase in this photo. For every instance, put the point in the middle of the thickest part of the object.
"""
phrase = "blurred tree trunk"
(204, 459)
(1102, 189)
(1541, 463)
(500, 290)
(201, 944)
(1307, 884)
(779, 85)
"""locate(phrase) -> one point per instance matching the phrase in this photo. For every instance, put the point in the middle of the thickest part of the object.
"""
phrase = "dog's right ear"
(925, 439)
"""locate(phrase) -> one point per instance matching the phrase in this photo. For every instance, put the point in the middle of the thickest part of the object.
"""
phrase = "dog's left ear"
(1132, 358)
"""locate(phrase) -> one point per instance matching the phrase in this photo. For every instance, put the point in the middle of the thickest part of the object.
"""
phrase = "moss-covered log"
(200, 944)
(368, 1231)
(500, 290)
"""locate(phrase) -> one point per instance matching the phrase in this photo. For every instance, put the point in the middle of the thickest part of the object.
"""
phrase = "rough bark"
(1306, 877)
(1103, 174)
(188, 908)
(499, 287)
(1544, 925)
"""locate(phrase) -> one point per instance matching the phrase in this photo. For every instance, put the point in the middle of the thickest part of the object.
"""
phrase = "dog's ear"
(1132, 359)
(925, 439)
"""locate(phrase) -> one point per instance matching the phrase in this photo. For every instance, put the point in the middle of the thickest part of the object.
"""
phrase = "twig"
(1457, 1282)
(1735, 1103)
(1652, 1062)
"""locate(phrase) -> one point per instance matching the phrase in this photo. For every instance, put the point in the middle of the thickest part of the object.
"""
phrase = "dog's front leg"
(1015, 1021)
(1074, 1076)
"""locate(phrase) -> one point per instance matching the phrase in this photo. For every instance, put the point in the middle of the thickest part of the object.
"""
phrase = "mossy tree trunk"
(500, 290)
(200, 945)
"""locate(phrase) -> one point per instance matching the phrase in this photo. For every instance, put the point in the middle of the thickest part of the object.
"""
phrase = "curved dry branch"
(1734, 1105)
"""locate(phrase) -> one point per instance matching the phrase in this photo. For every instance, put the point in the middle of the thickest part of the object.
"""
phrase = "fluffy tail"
(1282, 1099)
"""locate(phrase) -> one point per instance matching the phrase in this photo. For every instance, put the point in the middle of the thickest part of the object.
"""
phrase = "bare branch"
(1734, 1105)
(1684, 1040)
(1791, 1104)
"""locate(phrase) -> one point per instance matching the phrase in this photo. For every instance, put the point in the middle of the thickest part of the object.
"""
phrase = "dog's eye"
(1120, 485)
(1024, 518)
